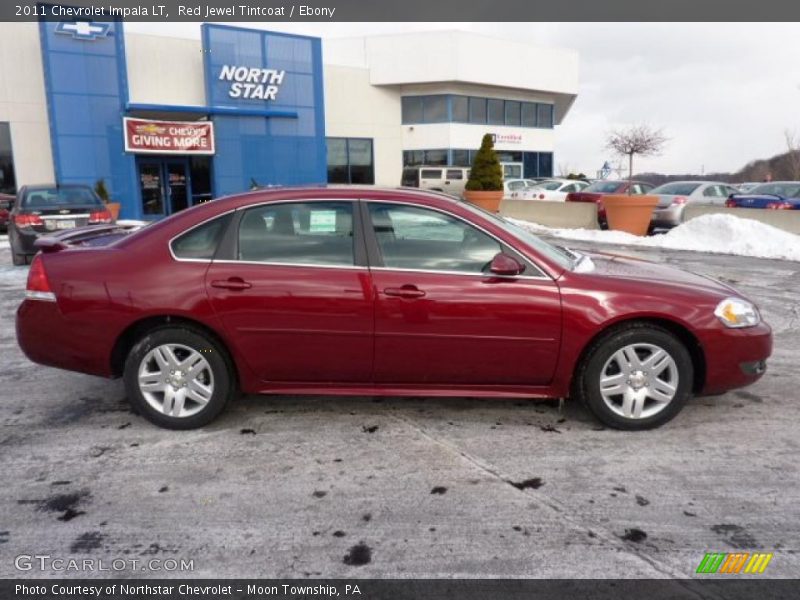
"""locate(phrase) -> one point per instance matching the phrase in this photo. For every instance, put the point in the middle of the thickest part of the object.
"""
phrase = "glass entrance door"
(164, 186)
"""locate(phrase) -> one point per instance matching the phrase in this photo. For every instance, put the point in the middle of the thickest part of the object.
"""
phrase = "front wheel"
(178, 378)
(638, 377)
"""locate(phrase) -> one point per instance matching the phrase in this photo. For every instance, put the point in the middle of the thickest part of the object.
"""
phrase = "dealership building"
(170, 122)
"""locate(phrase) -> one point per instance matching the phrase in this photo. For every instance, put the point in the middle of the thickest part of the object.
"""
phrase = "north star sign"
(252, 82)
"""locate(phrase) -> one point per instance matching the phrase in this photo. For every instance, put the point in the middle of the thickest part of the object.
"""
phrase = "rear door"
(440, 318)
(294, 292)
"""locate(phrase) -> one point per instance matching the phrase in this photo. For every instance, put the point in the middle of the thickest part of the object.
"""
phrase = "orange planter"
(113, 208)
(629, 213)
(486, 200)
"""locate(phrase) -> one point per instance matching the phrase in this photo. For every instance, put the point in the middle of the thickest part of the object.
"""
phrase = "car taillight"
(100, 216)
(38, 287)
(730, 203)
(779, 206)
(541, 196)
(679, 200)
(23, 221)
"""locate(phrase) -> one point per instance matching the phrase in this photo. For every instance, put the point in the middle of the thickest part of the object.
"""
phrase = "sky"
(723, 93)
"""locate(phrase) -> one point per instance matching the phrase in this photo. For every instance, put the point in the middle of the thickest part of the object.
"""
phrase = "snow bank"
(4, 242)
(716, 233)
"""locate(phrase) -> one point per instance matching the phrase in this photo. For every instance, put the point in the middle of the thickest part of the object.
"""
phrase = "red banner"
(145, 136)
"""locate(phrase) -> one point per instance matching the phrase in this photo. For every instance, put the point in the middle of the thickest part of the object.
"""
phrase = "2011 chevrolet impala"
(326, 290)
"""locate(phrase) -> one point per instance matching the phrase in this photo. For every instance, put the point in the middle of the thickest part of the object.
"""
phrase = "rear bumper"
(671, 216)
(48, 338)
(24, 241)
(735, 357)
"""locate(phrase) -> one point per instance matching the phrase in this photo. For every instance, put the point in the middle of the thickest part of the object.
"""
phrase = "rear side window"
(202, 241)
(309, 233)
(455, 174)
(431, 173)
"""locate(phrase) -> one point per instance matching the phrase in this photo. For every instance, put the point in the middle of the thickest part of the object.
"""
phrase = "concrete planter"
(486, 200)
(629, 213)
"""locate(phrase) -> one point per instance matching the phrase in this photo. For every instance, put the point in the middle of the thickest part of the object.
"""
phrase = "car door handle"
(407, 291)
(232, 283)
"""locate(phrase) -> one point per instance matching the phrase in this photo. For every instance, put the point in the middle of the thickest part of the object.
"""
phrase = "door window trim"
(376, 258)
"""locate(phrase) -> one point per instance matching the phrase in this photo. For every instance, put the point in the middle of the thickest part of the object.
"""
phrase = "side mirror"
(505, 265)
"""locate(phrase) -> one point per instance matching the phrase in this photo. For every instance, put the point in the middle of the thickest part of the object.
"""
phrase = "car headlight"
(736, 313)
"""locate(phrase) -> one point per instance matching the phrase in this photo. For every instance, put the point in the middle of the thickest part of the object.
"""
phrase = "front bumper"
(735, 357)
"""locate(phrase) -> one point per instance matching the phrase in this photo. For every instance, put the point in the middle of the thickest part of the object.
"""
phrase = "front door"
(296, 300)
(440, 318)
(164, 186)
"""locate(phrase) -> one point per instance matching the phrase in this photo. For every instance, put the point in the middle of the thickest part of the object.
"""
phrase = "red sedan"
(378, 292)
(596, 191)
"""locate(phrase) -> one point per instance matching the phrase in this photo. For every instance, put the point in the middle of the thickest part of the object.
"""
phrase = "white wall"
(23, 102)
(355, 108)
(163, 70)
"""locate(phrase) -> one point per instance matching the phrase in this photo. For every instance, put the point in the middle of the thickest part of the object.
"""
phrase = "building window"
(496, 112)
(512, 113)
(545, 115)
(8, 183)
(460, 109)
(477, 110)
(201, 179)
(413, 158)
(461, 158)
(350, 160)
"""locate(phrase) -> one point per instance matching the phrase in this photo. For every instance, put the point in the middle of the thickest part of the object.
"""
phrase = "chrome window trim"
(443, 272)
(286, 264)
(476, 226)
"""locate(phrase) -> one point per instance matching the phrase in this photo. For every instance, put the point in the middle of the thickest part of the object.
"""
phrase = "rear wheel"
(18, 259)
(178, 378)
(637, 377)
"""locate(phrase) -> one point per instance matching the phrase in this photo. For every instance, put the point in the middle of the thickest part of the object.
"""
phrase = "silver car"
(675, 195)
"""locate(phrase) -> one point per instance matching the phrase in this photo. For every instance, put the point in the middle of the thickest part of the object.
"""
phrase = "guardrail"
(788, 220)
(567, 215)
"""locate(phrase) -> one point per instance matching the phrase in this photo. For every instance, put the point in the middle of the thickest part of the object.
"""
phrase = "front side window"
(201, 242)
(410, 237)
(310, 233)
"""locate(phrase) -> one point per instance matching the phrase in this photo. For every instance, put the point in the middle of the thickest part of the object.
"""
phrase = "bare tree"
(637, 139)
(793, 156)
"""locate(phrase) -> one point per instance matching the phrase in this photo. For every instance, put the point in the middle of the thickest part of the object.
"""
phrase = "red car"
(377, 292)
(596, 191)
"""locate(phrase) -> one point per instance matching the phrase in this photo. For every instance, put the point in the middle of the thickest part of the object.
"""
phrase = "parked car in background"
(675, 195)
(415, 293)
(43, 209)
(554, 190)
(747, 186)
(450, 180)
(776, 195)
(598, 189)
(512, 188)
(6, 204)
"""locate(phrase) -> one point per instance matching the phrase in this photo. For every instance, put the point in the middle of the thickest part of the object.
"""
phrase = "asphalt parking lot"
(371, 487)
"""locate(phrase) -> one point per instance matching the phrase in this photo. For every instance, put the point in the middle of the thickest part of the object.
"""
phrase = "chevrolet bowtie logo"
(83, 30)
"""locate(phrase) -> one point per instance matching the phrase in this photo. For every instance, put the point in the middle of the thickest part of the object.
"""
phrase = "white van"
(450, 180)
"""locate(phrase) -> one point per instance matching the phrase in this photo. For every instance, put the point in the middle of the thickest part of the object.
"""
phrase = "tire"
(179, 398)
(649, 367)
(19, 260)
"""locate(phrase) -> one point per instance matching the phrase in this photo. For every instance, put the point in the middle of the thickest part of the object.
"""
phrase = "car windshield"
(787, 190)
(61, 196)
(676, 189)
(561, 256)
(604, 187)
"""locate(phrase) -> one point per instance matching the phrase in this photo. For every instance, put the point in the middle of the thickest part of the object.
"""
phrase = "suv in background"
(450, 180)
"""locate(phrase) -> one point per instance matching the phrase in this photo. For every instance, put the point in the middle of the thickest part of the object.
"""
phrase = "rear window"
(55, 197)
(604, 187)
(788, 190)
(202, 241)
(676, 189)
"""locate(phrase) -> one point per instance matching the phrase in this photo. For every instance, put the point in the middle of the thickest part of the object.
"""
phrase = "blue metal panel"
(278, 141)
(87, 89)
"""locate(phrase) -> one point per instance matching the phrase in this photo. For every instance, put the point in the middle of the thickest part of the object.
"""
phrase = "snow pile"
(13, 275)
(716, 233)
(4, 242)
